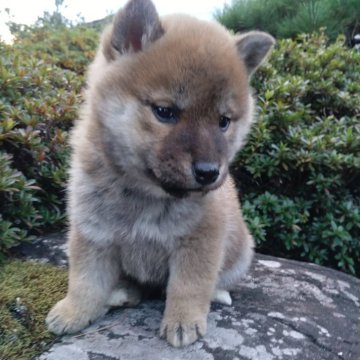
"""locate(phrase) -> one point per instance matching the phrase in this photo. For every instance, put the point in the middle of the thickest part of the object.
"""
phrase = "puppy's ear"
(253, 48)
(135, 27)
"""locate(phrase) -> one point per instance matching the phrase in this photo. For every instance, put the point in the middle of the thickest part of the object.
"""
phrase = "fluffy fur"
(138, 213)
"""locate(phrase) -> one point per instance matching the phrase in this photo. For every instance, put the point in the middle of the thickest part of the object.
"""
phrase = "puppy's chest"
(122, 216)
(146, 262)
(160, 221)
(148, 235)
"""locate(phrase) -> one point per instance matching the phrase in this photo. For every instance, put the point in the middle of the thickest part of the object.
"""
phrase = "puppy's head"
(172, 97)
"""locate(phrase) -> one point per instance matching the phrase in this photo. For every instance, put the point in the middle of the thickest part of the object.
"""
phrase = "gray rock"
(282, 310)
(51, 249)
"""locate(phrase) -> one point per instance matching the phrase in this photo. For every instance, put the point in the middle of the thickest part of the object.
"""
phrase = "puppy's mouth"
(172, 188)
(175, 192)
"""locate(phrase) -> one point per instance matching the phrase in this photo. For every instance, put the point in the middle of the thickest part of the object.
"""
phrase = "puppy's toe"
(180, 334)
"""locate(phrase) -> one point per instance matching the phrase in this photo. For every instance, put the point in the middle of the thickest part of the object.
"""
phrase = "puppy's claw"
(163, 333)
(198, 333)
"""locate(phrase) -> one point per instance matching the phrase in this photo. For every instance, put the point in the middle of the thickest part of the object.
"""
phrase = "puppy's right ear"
(135, 27)
(253, 47)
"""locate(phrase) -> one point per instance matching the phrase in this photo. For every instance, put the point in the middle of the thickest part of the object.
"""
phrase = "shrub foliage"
(41, 76)
(298, 176)
(288, 18)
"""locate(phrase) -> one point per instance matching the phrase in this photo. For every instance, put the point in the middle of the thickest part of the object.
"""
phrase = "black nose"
(205, 173)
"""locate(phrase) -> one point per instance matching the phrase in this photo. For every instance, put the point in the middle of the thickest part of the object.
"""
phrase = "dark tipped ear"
(253, 48)
(136, 26)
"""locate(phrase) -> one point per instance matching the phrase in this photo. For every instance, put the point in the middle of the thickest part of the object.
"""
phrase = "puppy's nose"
(205, 173)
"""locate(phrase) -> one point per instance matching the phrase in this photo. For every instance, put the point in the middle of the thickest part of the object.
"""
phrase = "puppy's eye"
(224, 123)
(167, 115)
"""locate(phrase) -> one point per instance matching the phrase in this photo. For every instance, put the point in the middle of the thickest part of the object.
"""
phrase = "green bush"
(297, 177)
(67, 47)
(299, 174)
(288, 18)
(17, 197)
(39, 99)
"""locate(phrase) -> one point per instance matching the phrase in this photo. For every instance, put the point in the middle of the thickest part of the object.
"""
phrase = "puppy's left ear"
(136, 26)
(253, 47)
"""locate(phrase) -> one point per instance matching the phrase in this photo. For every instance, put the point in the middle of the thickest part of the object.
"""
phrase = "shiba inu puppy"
(151, 202)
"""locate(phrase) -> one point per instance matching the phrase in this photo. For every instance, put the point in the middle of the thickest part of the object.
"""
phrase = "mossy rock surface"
(27, 292)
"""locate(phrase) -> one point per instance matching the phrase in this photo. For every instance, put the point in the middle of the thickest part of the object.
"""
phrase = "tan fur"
(138, 215)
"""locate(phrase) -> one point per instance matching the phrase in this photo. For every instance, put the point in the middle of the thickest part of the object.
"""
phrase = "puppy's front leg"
(94, 273)
(193, 271)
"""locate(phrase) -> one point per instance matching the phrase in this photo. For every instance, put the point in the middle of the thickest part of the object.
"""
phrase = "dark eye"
(167, 115)
(224, 123)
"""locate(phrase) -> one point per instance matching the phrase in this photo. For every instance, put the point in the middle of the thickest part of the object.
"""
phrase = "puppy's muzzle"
(205, 173)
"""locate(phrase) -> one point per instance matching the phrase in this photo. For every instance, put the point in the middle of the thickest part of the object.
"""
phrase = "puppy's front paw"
(66, 317)
(182, 332)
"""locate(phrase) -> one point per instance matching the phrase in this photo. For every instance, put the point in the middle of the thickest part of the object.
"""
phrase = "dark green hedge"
(41, 77)
(288, 18)
(298, 176)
